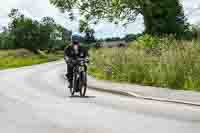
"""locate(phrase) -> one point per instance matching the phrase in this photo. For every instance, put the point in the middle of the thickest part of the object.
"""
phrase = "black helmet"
(76, 39)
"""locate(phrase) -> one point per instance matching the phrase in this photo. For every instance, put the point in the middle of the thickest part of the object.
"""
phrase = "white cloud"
(192, 10)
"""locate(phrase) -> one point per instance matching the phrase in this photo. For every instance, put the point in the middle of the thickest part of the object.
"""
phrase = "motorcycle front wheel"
(83, 84)
(74, 83)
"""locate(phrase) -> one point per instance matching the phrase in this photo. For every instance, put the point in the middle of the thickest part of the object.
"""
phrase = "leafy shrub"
(149, 41)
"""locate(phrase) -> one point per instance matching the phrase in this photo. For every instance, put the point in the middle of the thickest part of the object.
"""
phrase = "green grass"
(21, 57)
(174, 64)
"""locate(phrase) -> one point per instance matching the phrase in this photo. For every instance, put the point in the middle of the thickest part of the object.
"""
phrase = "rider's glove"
(66, 59)
(87, 60)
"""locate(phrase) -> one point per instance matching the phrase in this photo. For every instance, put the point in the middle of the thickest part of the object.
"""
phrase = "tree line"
(24, 32)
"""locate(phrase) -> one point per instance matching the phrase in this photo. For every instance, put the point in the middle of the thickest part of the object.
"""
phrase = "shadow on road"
(76, 96)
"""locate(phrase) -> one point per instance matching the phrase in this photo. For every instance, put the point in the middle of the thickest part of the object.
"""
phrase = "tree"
(195, 31)
(24, 31)
(164, 17)
(113, 39)
(160, 17)
(14, 13)
(130, 37)
(89, 36)
(47, 27)
(66, 34)
(48, 21)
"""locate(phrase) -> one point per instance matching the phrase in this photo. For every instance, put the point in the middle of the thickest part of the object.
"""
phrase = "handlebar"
(85, 60)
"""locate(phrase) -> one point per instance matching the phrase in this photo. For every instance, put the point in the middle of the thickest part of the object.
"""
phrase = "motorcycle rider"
(71, 53)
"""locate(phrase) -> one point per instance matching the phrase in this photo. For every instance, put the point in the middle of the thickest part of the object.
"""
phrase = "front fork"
(80, 77)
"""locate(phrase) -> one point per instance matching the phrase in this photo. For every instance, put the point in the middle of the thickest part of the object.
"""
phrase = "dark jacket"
(70, 52)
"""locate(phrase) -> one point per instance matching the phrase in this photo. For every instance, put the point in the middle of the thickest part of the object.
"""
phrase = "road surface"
(35, 100)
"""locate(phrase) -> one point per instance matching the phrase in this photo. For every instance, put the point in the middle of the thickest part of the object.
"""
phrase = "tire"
(83, 84)
(72, 90)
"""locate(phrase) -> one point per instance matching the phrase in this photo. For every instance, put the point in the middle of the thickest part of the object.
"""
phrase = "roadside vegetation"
(34, 35)
(153, 61)
(26, 41)
(23, 57)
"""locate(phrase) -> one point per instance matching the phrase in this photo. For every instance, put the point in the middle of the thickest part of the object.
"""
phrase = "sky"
(37, 9)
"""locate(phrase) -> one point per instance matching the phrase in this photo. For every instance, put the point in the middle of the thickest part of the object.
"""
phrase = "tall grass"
(170, 63)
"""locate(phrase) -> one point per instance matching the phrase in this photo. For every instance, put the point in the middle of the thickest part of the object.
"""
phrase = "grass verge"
(171, 64)
(21, 57)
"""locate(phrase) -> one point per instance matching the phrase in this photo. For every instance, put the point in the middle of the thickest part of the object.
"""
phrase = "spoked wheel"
(72, 90)
(83, 84)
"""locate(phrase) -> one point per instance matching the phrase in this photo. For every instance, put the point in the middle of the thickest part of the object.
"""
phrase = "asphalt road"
(35, 100)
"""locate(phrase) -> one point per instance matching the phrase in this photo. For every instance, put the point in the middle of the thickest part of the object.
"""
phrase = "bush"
(148, 41)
